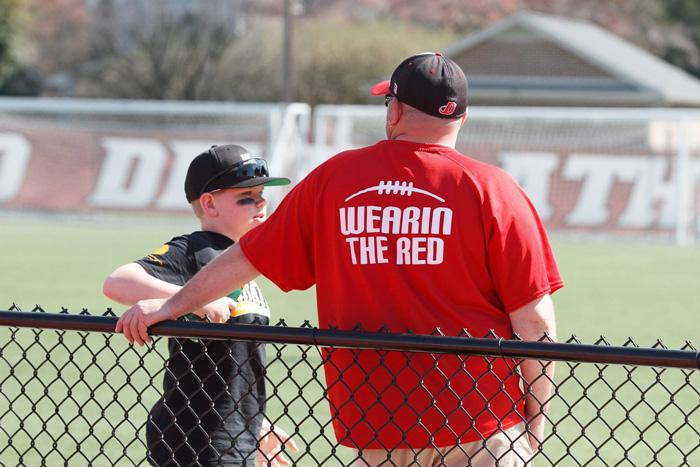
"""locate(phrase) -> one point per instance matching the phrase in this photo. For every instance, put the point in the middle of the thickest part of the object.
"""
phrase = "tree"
(8, 14)
(193, 57)
(20, 80)
(16, 78)
(338, 61)
(59, 31)
(157, 51)
(232, 49)
(668, 29)
(686, 15)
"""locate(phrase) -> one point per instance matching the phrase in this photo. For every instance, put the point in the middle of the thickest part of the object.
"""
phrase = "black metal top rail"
(604, 354)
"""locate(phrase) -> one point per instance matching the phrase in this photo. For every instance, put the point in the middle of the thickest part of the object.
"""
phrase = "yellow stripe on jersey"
(160, 251)
(244, 308)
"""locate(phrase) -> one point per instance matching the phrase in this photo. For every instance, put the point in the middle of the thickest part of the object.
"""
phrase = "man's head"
(430, 83)
(224, 185)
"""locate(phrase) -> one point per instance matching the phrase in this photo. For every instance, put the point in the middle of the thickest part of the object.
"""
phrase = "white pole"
(682, 184)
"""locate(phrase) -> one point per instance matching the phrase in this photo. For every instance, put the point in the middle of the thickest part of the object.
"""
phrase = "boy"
(214, 390)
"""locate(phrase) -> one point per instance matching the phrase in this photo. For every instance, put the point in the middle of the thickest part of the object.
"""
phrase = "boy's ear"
(208, 205)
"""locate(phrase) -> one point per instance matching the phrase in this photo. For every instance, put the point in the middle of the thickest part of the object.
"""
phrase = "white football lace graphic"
(395, 188)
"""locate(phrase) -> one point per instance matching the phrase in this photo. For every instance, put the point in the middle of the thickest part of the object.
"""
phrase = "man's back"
(411, 237)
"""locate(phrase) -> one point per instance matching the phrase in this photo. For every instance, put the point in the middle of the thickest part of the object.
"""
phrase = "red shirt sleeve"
(281, 248)
(520, 258)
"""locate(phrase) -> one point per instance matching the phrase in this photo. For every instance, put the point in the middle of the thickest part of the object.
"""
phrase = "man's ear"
(208, 204)
(394, 112)
(464, 118)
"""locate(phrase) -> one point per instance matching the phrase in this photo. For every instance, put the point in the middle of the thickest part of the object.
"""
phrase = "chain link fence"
(73, 393)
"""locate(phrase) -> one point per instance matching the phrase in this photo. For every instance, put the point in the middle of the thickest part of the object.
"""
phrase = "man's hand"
(134, 323)
(535, 430)
(270, 450)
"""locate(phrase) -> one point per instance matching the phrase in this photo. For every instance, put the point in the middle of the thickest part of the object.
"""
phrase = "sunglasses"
(387, 99)
(244, 170)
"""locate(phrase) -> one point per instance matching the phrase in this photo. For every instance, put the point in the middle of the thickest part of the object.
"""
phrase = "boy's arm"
(273, 442)
(231, 269)
(130, 283)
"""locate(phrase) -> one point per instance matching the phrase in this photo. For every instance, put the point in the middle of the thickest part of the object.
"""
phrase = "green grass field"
(614, 289)
(618, 290)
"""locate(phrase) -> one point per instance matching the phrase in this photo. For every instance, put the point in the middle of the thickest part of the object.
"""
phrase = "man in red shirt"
(411, 235)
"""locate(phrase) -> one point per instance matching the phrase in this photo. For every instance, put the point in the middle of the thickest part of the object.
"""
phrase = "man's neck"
(445, 140)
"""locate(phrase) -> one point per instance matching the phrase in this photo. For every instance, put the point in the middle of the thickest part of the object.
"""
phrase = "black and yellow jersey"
(214, 390)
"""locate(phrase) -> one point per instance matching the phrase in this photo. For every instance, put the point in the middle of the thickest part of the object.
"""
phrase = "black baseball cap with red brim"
(429, 82)
(227, 166)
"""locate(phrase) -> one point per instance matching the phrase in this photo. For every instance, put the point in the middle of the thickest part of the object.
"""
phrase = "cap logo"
(448, 109)
(396, 88)
(245, 156)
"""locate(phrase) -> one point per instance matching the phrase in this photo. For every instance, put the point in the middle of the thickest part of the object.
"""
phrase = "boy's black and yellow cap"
(227, 166)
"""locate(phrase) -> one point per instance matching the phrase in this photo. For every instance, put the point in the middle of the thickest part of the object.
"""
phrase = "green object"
(235, 294)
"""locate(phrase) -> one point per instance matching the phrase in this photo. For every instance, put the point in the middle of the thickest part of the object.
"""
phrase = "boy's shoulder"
(181, 257)
(201, 239)
(204, 239)
(203, 246)
(188, 251)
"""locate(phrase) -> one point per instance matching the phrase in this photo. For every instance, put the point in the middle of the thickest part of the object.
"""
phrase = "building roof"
(536, 58)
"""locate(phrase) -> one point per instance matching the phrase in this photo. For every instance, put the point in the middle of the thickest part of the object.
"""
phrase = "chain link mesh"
(83, 398)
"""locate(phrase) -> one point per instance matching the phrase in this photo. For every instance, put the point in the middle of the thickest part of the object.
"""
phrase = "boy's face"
(238, 210)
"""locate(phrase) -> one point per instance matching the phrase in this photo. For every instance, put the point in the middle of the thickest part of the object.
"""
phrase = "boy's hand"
(134, 323)
(270, 450)
(218, 311)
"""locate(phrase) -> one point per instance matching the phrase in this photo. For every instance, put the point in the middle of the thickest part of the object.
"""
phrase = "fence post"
(683, 184)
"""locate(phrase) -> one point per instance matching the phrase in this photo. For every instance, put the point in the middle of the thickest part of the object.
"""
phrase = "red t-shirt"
(412, 237)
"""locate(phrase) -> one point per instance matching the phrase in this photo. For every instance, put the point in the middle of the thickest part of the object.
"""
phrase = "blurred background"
(312, 51)
(593, 106)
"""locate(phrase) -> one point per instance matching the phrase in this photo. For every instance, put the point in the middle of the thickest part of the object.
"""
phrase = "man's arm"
(531, 322)
(131, 282)
(228, 271)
